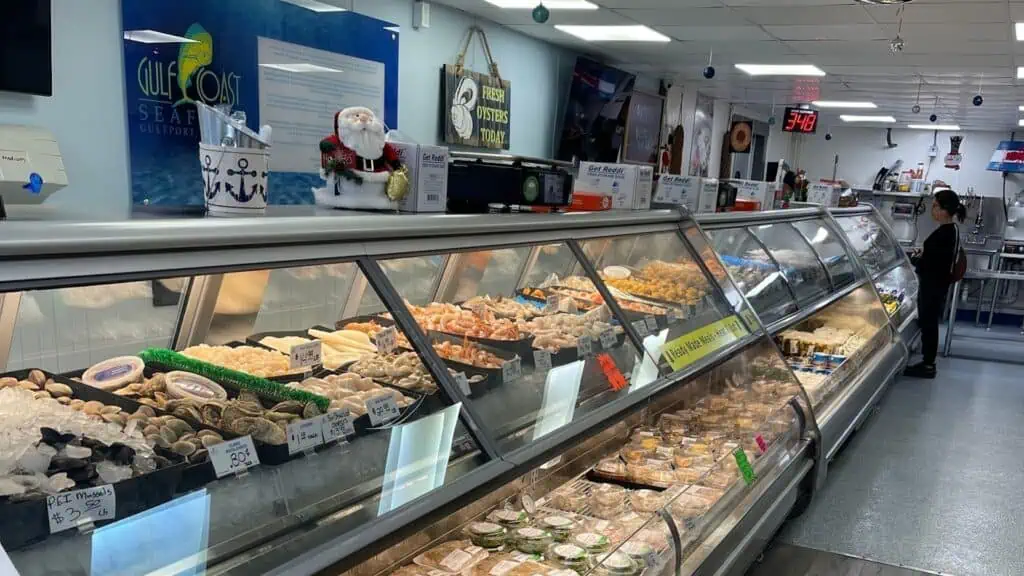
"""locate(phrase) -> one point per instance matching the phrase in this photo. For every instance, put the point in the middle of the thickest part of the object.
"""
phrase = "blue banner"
(282, 65)
(1008, 157)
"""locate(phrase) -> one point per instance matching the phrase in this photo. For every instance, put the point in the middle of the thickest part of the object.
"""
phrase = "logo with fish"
(191, 57)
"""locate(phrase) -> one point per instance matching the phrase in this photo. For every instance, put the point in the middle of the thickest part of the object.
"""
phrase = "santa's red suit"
(332, 148)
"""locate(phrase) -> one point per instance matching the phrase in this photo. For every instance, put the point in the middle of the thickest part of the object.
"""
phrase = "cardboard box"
(428, 177)
(626, 186)
(676, 190)
(707, 196)
(757, 191)
(824, 194)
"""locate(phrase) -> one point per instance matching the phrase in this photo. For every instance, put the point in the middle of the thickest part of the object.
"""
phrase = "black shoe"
(920, 370)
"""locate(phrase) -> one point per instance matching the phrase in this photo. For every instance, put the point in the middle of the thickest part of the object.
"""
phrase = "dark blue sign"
(1008, 157)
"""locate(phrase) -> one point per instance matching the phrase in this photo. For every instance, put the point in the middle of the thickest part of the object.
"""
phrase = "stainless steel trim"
(198, 314)
(819, 305)
(851, 210)
(720, 219)
(951, 321)
(9, 306)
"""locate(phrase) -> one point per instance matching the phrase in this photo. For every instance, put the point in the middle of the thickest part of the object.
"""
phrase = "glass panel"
(827, 348)
(755, 273)
(871, 242)
(898, 290)
(400, 434)
(711, 261)
(831, 251)
(535, 358)
(666, 296)
(71, 328)
(799, 264)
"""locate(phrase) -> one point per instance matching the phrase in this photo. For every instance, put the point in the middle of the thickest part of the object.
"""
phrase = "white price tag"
(672, 316)
(386, 339)
(337, 426)
(551, 302)
(382, 409)
(77, 507)
(584, 345)
(542, 360)
(608, 339)
(463, 382)
(305, 435)
(652, 323)
(641, 328)
(305, 355)
(233, 456)
(512, 370)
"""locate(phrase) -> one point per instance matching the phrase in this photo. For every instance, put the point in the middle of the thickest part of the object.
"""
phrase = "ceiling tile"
(686, 17)
(851, 32)
(971, 12)
(820, 15)
(715, 33)
(952, 32)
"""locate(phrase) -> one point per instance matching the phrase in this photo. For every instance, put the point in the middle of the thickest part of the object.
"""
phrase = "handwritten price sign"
(386, 340)
(641, 328)
(72, 509)
(337, 426)
(608, 339)
(652, 323)
(511, 370)
(234, 456)
(305, 435)
(382, 409)
(584, 346)
(542, 360)
(305, 355)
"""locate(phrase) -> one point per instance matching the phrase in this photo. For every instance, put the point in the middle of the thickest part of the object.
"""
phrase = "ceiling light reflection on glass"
(315, 5)
(843, 104)
(949, 127)
(781, 69)
(856, 118)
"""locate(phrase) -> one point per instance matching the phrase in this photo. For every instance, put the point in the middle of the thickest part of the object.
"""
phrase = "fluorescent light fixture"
(933, 126)
(614, 33)
(395, 29)
(549, 4)
(154, 37)
(314, 5)
(842, 104)
(855, 118)
(1020, 108)
(301, 68)
(781, 69)
(1020, 72)
(1019, 29)
(1020, 122)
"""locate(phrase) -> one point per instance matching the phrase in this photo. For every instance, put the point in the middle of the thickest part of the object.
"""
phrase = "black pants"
(931, 301)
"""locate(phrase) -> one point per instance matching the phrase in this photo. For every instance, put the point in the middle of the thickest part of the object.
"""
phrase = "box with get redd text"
(428, 177)
(603, 186)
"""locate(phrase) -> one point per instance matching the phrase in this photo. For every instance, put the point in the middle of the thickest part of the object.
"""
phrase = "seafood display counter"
(886, 262)
(811, 289)
(369, 394)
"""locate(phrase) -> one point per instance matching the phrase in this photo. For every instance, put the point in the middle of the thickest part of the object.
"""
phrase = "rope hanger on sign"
(460, 60)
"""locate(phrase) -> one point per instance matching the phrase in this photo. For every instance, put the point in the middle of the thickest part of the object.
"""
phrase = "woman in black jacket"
(934, 265)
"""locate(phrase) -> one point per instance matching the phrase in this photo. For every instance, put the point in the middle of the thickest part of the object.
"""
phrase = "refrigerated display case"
(809, 287)
(366, 394)
(887, 263)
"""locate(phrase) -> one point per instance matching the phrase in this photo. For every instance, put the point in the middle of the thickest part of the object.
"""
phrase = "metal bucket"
(218, 128)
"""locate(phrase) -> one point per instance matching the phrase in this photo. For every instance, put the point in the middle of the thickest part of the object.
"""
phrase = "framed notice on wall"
(476, 108)
(643, 128)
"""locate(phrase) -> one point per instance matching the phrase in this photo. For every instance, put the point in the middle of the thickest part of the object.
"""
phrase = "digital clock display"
(800, 120)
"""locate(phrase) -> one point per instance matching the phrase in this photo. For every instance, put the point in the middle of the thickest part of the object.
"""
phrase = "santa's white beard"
(367, 140)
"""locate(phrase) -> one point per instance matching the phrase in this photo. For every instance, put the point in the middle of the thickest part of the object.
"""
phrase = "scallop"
(58, 390)
(183, 448)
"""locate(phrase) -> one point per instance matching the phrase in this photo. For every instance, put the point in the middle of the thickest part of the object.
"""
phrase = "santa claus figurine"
(357, 163)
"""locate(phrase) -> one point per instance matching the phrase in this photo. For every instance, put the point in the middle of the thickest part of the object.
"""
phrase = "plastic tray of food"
(422, 404)
(25, 521)
(378, 319)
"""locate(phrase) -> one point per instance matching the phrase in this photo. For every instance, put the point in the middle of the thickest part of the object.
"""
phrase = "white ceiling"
(951, 45)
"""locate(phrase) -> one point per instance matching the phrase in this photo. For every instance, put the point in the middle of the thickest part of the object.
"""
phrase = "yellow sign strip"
(690, 347)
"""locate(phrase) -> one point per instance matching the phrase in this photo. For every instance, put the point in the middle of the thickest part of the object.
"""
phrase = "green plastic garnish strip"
(233, 378)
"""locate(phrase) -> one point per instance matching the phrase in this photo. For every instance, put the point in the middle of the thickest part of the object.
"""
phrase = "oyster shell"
(58, 390)
(211, 413)
(208, 441)
(179, 426)
(290, 406)
(248, 396)
(311, 410)
(183, 448)
(279, 417)
(190, 412)
(168, 434)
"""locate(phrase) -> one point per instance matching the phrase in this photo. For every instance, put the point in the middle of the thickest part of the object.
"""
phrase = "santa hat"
(347, 111)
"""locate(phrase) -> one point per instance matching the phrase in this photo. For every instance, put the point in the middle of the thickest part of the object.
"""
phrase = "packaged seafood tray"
(25, 521)
(378, 319)
(540, 296)
(439, 340)
(595, 476)
(284, 378)
(422, 405)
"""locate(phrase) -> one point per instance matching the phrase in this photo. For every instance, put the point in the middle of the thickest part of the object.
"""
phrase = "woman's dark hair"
(950, 202)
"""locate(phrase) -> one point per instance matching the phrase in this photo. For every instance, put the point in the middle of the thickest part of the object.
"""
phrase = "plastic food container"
(608, 495)
(568, 500)
(531, 540)
(114, 373)
(569, 556)
(559, 526)
(591, 542)
(486, 534)
(615, 564)
(509, 518)
(641, 552)
(646, 500)
(691, 475)
(634, 453)
(611, 468)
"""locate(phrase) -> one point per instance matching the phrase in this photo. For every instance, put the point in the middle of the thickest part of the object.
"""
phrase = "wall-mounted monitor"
(25, 48)
(800, 120)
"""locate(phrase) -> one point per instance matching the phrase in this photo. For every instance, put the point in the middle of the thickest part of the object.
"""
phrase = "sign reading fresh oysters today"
(476, 106)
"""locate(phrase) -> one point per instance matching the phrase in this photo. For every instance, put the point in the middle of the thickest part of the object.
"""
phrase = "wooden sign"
(643, 128)
(476, 108)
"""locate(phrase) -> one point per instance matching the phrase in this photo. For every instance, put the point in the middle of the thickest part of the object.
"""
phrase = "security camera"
(828, 136)
(709, 72)
(978, 100)
(541, 14)
(915, 109)
(933, 117)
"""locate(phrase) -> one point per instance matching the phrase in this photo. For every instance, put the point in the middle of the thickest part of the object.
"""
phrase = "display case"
(354, 393)
(834, 330)
(890, 269)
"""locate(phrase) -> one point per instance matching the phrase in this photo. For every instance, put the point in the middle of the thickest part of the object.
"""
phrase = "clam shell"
(281, 416)
(157, 383)
(158, 440)
(28, 385)
(41, 395)
(64, 400)
(150, 430)
(147, 411)
(204, 432)
(242, 425)
(168, 433)
(110, 410)
(183, 448)
(37, 377)
(92, 407)
(248, 396)
(115, 418)
(199, 456)
(58, 390)
(266, 431)
(211, 413)
(77, 404)
(208, 441)
(179, 426)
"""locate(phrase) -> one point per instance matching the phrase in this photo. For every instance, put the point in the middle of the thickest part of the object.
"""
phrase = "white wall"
(862, 152)
(719, 126)
(87, 110)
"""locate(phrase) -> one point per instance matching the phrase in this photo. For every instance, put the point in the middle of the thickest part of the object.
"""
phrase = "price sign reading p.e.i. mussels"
(584, 345)
(608, 339)
(234, 456)
(512, 370)
(305, 435)
(337, 426)
(382, 409)
(542, 360)
(305, 355)
(386, 340)
(77, 507)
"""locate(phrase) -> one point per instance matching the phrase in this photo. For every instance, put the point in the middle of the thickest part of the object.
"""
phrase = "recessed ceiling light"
(314, 5)
(1020, 122)
(781, 69)
(884, 2)
(1020, 72)
(154, 37)
(549, 4)
(855, 118)
(1020, 108)
(1019, 29)
(842, 104)
(933, 126)
(614, 33)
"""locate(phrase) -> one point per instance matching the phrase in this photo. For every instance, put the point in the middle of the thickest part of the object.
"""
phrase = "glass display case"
(755, 272)
(303, 394)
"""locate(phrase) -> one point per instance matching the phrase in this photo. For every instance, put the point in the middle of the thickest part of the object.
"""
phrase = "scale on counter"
(481, 183)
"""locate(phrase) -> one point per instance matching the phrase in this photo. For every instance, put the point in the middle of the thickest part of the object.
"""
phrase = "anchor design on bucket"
(241, 195)
(210, 174)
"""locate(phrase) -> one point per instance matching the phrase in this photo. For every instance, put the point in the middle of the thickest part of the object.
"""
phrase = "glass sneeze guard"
(755, 273)
(798, 262)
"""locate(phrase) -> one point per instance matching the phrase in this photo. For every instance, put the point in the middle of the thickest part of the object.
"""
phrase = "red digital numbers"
(802, 121)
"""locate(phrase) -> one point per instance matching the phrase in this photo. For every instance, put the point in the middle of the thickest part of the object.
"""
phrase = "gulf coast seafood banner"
(280, 64)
